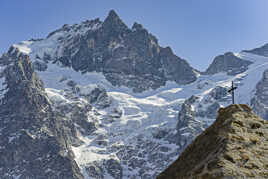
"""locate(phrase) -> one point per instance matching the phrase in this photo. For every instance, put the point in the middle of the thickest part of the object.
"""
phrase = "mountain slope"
(234, 146)
(126, 57)
(229, 63)
(120, 121)
(33, 142)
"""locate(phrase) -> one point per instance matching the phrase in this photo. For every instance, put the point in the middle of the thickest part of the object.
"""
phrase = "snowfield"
(142, 114)
(147, 112)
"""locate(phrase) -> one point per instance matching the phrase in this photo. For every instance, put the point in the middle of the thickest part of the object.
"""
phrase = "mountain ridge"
(140, 62)
(33, 142)
(126, 57)
(234, 146)
(263, 50)
(112, 131)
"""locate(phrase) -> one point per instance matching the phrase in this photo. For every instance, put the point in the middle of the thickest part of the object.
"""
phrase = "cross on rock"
(232, 90)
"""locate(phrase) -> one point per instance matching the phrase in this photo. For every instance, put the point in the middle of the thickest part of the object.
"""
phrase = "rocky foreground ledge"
(234, 146)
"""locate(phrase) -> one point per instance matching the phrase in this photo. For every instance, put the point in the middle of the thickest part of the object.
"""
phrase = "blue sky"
(196, 30)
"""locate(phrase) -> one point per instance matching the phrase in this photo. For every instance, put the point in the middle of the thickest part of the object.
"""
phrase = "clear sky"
(196, 30)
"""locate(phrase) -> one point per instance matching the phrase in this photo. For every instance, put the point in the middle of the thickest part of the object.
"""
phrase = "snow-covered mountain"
(126, 57)
(127, 106)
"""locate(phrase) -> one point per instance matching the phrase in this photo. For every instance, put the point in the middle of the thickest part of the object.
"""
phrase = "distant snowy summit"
(229, 63)
(126, 57)
(129, 57)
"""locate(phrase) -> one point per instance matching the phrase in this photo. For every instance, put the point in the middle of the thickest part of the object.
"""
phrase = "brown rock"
(234, 146)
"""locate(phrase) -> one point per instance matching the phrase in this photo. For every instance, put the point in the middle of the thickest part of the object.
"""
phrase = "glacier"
(135, 134)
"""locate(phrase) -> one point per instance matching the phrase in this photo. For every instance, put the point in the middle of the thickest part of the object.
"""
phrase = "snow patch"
(142, 113)
(55, 96)
(24, 47)
(17, 176)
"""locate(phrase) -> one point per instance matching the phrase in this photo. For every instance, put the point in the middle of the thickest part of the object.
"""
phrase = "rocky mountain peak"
(113, 21)
(112, 14)
(229, 63)
(137, 26)
(24, 87)
(167, 50)
(126, 57)
(232, 147)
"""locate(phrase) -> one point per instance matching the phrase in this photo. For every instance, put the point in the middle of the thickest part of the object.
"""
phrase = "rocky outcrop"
(128, 57)
(234, 146)
(192, 110)
(227, 63)
(259, 102)
(188, 127)
(34, 143)
(219, 93)
(263, 50)
(97, 96)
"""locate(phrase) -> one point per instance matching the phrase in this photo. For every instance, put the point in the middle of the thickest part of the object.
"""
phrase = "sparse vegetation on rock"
(234, 146)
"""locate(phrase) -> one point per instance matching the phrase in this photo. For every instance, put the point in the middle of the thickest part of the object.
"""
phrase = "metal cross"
(232, 90)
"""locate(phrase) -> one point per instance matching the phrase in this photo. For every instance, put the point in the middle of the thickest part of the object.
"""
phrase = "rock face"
(189, 124)
(33, 142)
(219, 93)
(188, 127)
(83, 119)
(263, 50)
(128, 57)
(227, 63)
(234, 146)
(67, 116)
(260, 100)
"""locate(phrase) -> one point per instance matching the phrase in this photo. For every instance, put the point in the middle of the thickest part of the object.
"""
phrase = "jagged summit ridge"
(112, 14)
(234, 146)
(126, 57)
(229, 63)
(114, 17)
